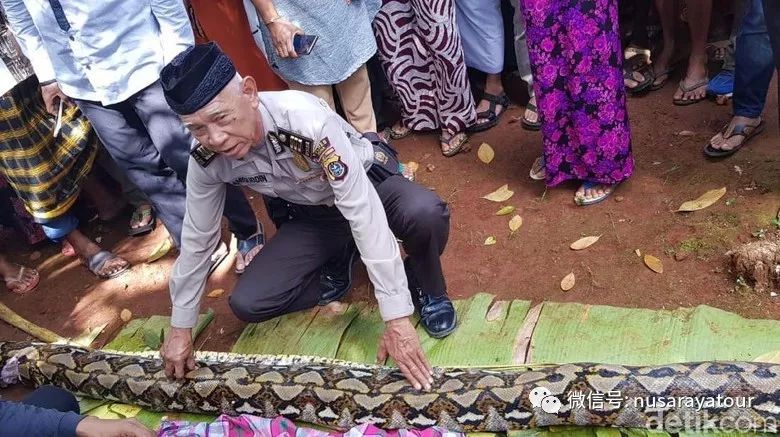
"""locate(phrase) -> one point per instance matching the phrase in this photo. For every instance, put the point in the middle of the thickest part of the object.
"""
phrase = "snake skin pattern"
(341, 394)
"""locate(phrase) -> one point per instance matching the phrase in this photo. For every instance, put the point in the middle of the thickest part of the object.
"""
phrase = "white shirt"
(112, 50)
(272, 171)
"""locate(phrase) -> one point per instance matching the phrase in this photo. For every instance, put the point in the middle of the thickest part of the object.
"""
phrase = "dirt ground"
(530, 265)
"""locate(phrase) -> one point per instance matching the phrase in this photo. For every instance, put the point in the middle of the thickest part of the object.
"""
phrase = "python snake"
(340, 395)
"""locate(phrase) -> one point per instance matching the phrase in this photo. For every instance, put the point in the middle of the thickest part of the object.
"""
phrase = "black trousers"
(55, 398)
(284, 277)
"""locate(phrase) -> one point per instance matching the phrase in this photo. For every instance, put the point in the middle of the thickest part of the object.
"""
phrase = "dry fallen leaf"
(160, 251)
(738, 169)
(500, 195)
(217, 292)
(705, 200)
(585, 242)
(686, 133)
(430, 167)
(506, 210)
(125, 315)
(654, 264)
(515, 223)
(638, 253)
(412, 166)
(486, 153)
(568, 282)
(490, 240)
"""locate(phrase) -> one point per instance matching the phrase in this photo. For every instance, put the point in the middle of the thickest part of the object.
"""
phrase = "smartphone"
(304, 43)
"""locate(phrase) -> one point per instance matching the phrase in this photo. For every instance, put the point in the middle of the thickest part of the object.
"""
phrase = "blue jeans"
(754, 62)
(60, 227)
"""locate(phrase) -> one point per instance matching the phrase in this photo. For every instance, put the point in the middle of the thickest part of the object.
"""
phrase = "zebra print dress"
(421, 52)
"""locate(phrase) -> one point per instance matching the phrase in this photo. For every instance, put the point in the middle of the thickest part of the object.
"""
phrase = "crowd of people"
(170, 109)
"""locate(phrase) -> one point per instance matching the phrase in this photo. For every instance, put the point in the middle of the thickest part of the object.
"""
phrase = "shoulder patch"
(334, 167)
(203, 156)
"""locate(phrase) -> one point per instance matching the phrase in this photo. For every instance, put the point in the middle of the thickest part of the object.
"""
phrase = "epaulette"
(203, 156)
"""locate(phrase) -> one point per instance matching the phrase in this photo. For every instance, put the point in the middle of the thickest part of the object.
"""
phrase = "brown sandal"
(460, 142)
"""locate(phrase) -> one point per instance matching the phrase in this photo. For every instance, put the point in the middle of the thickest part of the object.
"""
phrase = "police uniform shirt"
(309, 156)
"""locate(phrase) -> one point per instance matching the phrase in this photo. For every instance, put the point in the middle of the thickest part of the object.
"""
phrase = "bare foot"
(720, 142)
(693, 87)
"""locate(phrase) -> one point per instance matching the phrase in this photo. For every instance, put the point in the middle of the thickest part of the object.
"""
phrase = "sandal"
(582, 201)
(687, 89)
(638, 64)
(141, 214)
(490, 113)
(19, 288)
(248, 250)
(219, 255)
(538, 171)
(396, 132)
(98, 261)
(446, 139)
(530, 125)
(742, 130)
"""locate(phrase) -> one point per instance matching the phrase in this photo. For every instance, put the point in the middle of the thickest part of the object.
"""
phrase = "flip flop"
(394, 134)
(529, 125)
(644, 69)
(739, 130)
(490, 114)
(31, 286)
(460, 142)
(688, 89)
(219, 255)
(96, 262)
(139, 215)
(538, 171)
(581, 201)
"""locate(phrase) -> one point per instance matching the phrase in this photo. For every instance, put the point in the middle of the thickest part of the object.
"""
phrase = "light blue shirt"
(346, 39)
(109, 49)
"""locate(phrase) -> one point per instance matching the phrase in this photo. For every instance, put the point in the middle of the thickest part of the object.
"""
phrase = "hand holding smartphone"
(303, 44)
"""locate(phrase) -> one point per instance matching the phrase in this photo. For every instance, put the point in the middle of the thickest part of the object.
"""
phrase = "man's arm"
(21, 24)
(359, 202)
(176, 32)
(200, 235)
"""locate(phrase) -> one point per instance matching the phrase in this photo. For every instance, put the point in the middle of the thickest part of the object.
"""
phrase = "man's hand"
(401, 342)
(282, 34)
(176, 352)
(51, 93)
(91, 426)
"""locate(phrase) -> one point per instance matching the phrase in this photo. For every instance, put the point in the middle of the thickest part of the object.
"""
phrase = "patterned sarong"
(46, 172)
(246, 425)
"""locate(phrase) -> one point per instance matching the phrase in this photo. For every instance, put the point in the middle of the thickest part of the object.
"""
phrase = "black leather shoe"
(437, 314)
(336, 275)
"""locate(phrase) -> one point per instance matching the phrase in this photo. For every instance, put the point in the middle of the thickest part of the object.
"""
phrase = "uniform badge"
(332, 164)
(203, 156)
(275, 142)
(300, 162)
(381, 157)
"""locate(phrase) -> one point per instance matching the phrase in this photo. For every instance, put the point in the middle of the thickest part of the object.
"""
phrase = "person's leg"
(752, 75)
(18, 279)
(421, 220)
(531, 115)
(355, 95)
(107, 204)
(454, 104)
(55, 398)
(102, 263)
(285, 275)
(661, 65)
(143, 218)
(325, 92)
(693, 87)
(174, 142)
(127, 141)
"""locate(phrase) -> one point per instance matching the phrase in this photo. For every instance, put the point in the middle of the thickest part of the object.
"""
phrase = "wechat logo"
(541, 397)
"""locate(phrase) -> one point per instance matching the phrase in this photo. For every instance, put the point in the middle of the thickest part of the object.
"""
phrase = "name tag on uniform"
(249, 180)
